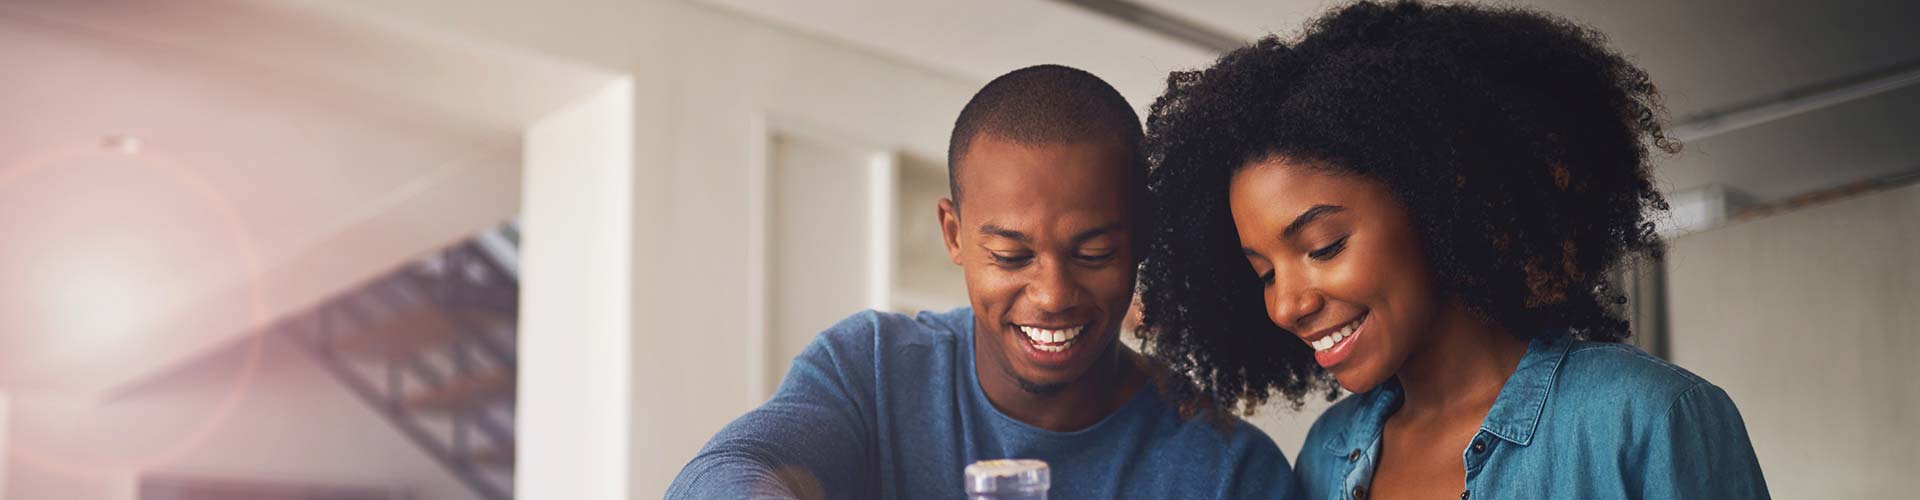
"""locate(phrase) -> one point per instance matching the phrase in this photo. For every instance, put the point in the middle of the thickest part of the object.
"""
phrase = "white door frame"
(882, 163)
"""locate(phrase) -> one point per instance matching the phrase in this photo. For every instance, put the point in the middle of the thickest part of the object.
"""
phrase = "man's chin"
(1039, 388)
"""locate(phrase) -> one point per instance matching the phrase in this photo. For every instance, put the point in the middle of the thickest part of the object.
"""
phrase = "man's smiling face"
(1043, 233)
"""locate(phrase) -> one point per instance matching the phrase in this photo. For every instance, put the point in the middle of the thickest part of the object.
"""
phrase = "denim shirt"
(1576, 420)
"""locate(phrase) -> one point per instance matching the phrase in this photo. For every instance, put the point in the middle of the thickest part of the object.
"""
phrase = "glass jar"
(1013, 479)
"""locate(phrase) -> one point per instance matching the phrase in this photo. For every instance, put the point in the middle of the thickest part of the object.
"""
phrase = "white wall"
(576, 288)
(4, 430)
(1287, 427)
(744, 69)
(818, 259)
(924, 277)
(293, 423)
(700, 77)
(1807, 319)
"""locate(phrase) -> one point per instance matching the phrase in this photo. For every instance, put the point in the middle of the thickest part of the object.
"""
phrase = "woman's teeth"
(1329, 341)
(1051, 340)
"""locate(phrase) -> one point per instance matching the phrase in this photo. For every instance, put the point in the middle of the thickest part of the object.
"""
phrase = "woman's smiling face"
(1339, 263)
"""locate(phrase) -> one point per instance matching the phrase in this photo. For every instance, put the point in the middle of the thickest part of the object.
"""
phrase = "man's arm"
(812, 440)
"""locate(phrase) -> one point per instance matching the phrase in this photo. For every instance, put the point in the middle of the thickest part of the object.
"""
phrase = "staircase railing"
(431, 347)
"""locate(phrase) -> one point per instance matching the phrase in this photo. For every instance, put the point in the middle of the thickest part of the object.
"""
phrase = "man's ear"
(950, 228)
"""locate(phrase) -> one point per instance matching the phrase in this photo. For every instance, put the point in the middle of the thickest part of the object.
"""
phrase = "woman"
(1421, 204)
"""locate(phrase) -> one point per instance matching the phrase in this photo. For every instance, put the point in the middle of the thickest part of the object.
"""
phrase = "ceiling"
(1707, 56)
(286, 152)
(283, 154)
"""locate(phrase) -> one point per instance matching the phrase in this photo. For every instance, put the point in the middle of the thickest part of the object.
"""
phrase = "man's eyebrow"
(994, 230)
(1307, 217)
(1095, 232)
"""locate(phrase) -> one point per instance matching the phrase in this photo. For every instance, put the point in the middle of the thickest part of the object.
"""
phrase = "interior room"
(428, 250)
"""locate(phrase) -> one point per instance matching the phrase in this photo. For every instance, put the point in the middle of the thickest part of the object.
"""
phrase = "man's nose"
(1053, 288)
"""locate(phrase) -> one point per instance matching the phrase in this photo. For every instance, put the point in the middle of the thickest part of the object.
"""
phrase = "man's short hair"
(1045, 104)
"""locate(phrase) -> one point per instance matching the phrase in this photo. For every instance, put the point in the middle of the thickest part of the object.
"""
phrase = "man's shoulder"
(1232, 456)
(1210, 432)
(871, 343)
(870, 329)
(1242, 436)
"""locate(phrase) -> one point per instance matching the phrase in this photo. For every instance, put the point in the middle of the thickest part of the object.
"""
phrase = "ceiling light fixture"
(123, 144)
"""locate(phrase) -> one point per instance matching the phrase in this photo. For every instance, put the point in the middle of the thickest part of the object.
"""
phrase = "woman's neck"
(1460, 369)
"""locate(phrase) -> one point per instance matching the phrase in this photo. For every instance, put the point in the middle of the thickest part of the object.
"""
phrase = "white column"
(576, 305)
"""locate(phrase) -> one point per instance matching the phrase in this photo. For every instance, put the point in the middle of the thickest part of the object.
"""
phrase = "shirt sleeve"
(1700, 450)
(811, 440)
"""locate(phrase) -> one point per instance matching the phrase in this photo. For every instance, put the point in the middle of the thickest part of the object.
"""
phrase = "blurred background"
(424, 249)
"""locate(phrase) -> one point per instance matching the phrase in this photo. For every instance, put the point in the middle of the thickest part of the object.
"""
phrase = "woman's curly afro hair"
(1517, 141)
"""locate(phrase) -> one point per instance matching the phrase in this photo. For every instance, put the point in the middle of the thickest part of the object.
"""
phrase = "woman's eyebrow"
(1307, 217)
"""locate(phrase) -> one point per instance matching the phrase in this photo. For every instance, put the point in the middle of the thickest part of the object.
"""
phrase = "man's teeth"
(1051, 340)
(1328, 341)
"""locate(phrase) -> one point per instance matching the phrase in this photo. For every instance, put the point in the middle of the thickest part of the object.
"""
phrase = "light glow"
(98, 301)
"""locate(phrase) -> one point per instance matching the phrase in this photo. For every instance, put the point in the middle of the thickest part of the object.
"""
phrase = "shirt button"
(1360, 493)
(1355, 456)
(1465, 494)
(1479, 446)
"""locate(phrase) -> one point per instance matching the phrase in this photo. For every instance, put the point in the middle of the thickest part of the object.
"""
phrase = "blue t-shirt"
(1575, 420)
(887, 406)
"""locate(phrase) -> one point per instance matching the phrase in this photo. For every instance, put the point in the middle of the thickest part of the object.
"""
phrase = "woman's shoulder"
(1623, 373)
(1610, 384)
(1656, 413)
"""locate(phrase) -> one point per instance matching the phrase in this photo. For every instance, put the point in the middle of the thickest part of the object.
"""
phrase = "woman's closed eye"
(1329, 251)
(1322, 254)
(1266, 276)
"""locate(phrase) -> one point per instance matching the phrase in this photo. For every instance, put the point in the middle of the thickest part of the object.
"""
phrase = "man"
(1046, 182)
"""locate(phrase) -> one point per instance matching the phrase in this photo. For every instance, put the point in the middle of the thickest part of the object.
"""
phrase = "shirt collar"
(1515, 413)
(1365, 423)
